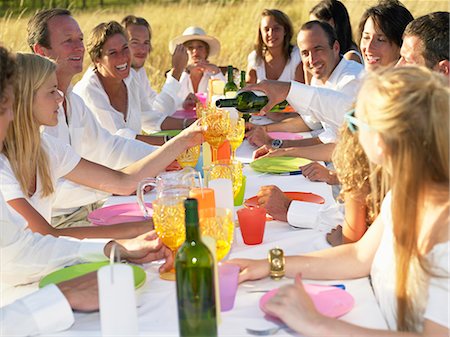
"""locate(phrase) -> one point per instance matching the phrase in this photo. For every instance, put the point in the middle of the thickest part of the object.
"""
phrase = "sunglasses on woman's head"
(353, 123)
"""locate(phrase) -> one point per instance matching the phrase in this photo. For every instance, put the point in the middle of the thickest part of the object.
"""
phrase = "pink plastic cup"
(228, 284)
(252, 222)
(201, 97)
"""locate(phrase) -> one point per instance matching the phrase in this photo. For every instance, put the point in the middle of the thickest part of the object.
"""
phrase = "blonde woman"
(32, 162)
(403, 126)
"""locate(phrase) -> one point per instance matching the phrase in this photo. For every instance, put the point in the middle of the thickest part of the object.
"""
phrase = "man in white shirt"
(425, 43)
(319, 108)
(55, 33)
(27, 256)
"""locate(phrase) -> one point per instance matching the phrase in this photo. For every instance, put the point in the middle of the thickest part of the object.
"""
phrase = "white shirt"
(25, 258)
(432, 304)
(140, 115)
(187, 88)
(289, 70)
(345, 78)
(61, 160)
(167, 99)
(41, 312)
(323, 104)
(92, 142)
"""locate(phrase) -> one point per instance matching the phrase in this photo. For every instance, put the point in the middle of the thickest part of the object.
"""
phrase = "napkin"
(303, 214)
(278, 164)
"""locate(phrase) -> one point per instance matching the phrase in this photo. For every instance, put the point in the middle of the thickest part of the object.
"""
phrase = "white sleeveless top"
(430, 295)
(288, 73)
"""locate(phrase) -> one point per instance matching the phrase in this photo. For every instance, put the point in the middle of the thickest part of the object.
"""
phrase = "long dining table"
(156, 299)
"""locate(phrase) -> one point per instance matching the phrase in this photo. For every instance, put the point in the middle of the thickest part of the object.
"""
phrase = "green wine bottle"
(194, 268)
(249, 101)
(230, 88)
(242, 85)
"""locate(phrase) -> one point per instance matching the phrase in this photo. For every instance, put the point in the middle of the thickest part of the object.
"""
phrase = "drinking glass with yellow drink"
(218, 224)
(217, 127)
(168, 218)
(236, 135)
(218, 171)
(189, 157)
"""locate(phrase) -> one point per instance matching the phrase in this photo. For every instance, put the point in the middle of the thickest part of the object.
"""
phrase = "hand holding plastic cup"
(228, 284)
(252, 222)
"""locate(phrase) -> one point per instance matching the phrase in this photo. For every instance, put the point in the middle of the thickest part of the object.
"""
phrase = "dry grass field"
(235, 25)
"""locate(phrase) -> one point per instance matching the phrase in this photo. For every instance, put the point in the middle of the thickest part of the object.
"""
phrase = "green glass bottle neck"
(191, 219)
(230, 74)
(226, 103)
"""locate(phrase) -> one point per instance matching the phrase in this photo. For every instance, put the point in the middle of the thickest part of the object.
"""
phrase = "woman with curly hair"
(361, 201)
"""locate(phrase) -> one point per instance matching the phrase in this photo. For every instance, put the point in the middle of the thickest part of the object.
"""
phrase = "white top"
(345, 78)
(289, 70)
(27, 256)
(44, 311)
(140, 115)
(187, 87)
(435, 306)
(61, 160)
(81, 130)
(166, 100)
(325, 104)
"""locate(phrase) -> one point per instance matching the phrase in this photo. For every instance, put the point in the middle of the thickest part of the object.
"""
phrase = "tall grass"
(234, 24)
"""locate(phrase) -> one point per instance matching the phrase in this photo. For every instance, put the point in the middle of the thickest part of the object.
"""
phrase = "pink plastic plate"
(184, 114)
(114, 214)
(329, 301)
(284, 135)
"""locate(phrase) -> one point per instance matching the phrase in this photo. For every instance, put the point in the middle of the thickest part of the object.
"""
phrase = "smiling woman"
(274, 57)
(114, 93)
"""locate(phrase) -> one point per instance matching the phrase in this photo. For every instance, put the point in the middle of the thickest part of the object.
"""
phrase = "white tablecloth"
(157, 307)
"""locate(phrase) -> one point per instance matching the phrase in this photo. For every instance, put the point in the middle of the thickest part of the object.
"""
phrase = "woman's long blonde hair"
(409, 107)
(22, 145)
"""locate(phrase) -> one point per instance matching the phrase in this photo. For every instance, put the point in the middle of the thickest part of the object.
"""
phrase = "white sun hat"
(196, 33)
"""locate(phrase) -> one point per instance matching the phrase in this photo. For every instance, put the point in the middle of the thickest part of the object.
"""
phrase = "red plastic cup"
(252, 222)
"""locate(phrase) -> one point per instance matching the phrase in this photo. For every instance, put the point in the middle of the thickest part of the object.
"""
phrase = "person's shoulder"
(88, 82)
(252, 58)
(350, 66)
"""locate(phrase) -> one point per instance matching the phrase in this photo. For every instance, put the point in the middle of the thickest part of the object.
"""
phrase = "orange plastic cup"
(252, 222)
(204, 196)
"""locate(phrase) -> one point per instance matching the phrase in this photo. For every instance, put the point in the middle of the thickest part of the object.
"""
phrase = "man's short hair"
(432, 30)
(326, 27)
(135, 20)
(37, 29)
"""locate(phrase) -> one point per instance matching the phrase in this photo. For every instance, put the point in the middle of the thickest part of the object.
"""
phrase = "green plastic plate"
(77, 270)
(170, 133)
(278, 164)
